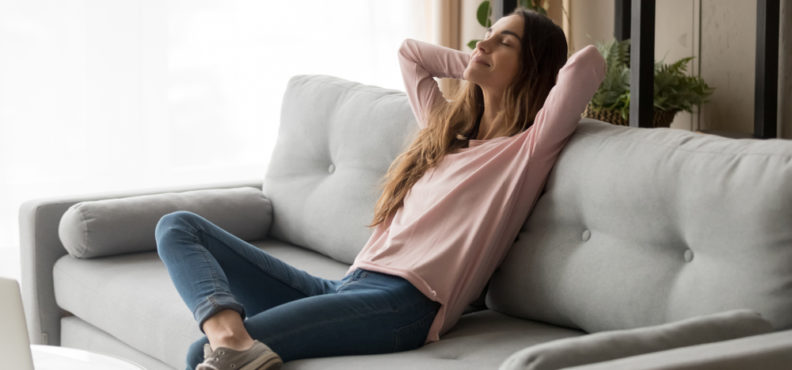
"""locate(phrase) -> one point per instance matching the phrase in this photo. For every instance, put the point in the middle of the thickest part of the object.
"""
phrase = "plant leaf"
(483, 14)
(673, 88)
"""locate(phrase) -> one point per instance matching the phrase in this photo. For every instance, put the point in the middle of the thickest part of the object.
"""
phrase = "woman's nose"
(483, 46)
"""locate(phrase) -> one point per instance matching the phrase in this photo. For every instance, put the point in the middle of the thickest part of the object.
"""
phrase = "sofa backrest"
(336, 140)
(644, 226)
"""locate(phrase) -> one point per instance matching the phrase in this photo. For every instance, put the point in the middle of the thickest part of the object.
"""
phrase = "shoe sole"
(270, 362)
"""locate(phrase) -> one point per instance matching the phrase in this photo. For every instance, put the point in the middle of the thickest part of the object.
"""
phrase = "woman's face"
(496, 60)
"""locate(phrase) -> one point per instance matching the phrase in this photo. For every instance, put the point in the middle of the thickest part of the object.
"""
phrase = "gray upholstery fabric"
(335, 142)
(480, 340)
(115, 226)
(40, 248)
(609, 345)
(640, 227)
(79, 334)
(766, 352)
(139, 304)
(157, 323)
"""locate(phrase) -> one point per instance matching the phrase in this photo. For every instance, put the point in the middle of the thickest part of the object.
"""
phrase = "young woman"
(452, 205)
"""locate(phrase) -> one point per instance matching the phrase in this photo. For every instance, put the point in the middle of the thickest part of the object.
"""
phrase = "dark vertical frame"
(766, 88)
(642, 31)
(621, 20)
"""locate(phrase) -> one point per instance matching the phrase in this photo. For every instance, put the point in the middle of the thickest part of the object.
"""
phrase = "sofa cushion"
(640, 227)
(771, 351)
(132, 298)
(124, 225)
(76, 333)
(324, 175)
(609, 345)
(480, 340)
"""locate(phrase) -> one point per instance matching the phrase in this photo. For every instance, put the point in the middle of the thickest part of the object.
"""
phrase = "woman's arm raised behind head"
(420, 62)
(577, 82)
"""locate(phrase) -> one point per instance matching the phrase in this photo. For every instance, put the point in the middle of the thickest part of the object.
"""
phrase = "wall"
(728, 47)
(470, 29)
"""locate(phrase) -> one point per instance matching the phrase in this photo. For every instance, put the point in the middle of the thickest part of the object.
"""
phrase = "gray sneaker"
(258, 357)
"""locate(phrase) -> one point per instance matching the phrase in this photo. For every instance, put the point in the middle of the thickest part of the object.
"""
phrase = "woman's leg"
(214, 271)
(369, 313)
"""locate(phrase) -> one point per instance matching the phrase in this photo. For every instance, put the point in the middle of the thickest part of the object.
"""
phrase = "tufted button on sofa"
(649, 248)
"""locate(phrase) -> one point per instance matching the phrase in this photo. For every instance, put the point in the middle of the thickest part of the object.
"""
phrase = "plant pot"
(660, 118)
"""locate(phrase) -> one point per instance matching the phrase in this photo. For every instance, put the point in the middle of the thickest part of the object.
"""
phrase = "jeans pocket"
(351, 278)
(413, 335)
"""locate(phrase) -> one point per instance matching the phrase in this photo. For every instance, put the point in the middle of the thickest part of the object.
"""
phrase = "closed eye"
(503, 36)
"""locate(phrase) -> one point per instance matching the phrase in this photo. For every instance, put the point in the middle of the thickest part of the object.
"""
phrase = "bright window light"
(109, 96)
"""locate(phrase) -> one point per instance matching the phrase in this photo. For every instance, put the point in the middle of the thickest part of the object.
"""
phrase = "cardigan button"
(586, 235)
(331, 169)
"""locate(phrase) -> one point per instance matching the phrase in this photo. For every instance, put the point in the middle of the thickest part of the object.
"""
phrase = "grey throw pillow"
(609, 345)
(124, 225)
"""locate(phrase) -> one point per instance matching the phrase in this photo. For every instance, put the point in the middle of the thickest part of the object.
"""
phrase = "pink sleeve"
(576, 83)
(420, 62)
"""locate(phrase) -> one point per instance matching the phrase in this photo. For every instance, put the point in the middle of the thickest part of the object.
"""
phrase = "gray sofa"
(642, 241)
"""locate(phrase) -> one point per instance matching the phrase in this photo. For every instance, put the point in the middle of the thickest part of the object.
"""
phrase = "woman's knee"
(179, 221)
(177, 218)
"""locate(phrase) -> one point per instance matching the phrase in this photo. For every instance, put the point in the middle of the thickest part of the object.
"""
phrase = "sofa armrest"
(40, 248)
(614, 344)
(771, 351)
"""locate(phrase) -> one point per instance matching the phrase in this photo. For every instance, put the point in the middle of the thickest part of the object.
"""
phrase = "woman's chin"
(472, 77)
(477, 80)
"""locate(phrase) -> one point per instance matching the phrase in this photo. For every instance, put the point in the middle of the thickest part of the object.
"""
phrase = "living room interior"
(126, 109)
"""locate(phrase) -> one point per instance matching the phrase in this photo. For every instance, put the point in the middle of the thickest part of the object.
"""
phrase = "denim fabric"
(298, 315)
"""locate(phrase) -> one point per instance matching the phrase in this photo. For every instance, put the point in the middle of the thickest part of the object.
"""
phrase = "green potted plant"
(674, 90)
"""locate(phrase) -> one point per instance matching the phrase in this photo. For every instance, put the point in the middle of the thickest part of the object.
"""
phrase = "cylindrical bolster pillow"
(610, 345)
(123, 225)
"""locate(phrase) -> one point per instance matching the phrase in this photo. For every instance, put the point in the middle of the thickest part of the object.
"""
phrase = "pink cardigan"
(459, 220)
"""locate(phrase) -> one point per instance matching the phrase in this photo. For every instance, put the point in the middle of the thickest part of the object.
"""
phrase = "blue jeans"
(298, 315)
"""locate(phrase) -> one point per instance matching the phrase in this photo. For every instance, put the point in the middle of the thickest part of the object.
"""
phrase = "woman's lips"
(480, 60)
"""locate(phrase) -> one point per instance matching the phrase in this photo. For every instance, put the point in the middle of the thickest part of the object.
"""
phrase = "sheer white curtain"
(99, 95)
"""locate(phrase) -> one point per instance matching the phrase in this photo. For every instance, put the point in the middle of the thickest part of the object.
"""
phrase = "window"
(103, 96)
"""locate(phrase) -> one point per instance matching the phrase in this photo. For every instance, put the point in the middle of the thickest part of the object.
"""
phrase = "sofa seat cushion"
(132, 298)
(480, 340)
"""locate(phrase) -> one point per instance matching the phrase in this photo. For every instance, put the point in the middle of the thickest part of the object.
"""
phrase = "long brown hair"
(450, 126)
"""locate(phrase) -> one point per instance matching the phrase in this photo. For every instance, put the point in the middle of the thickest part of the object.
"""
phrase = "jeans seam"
(206, 234)
(356, 276)
(397, 338)
(215, 288)
(335, 320)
